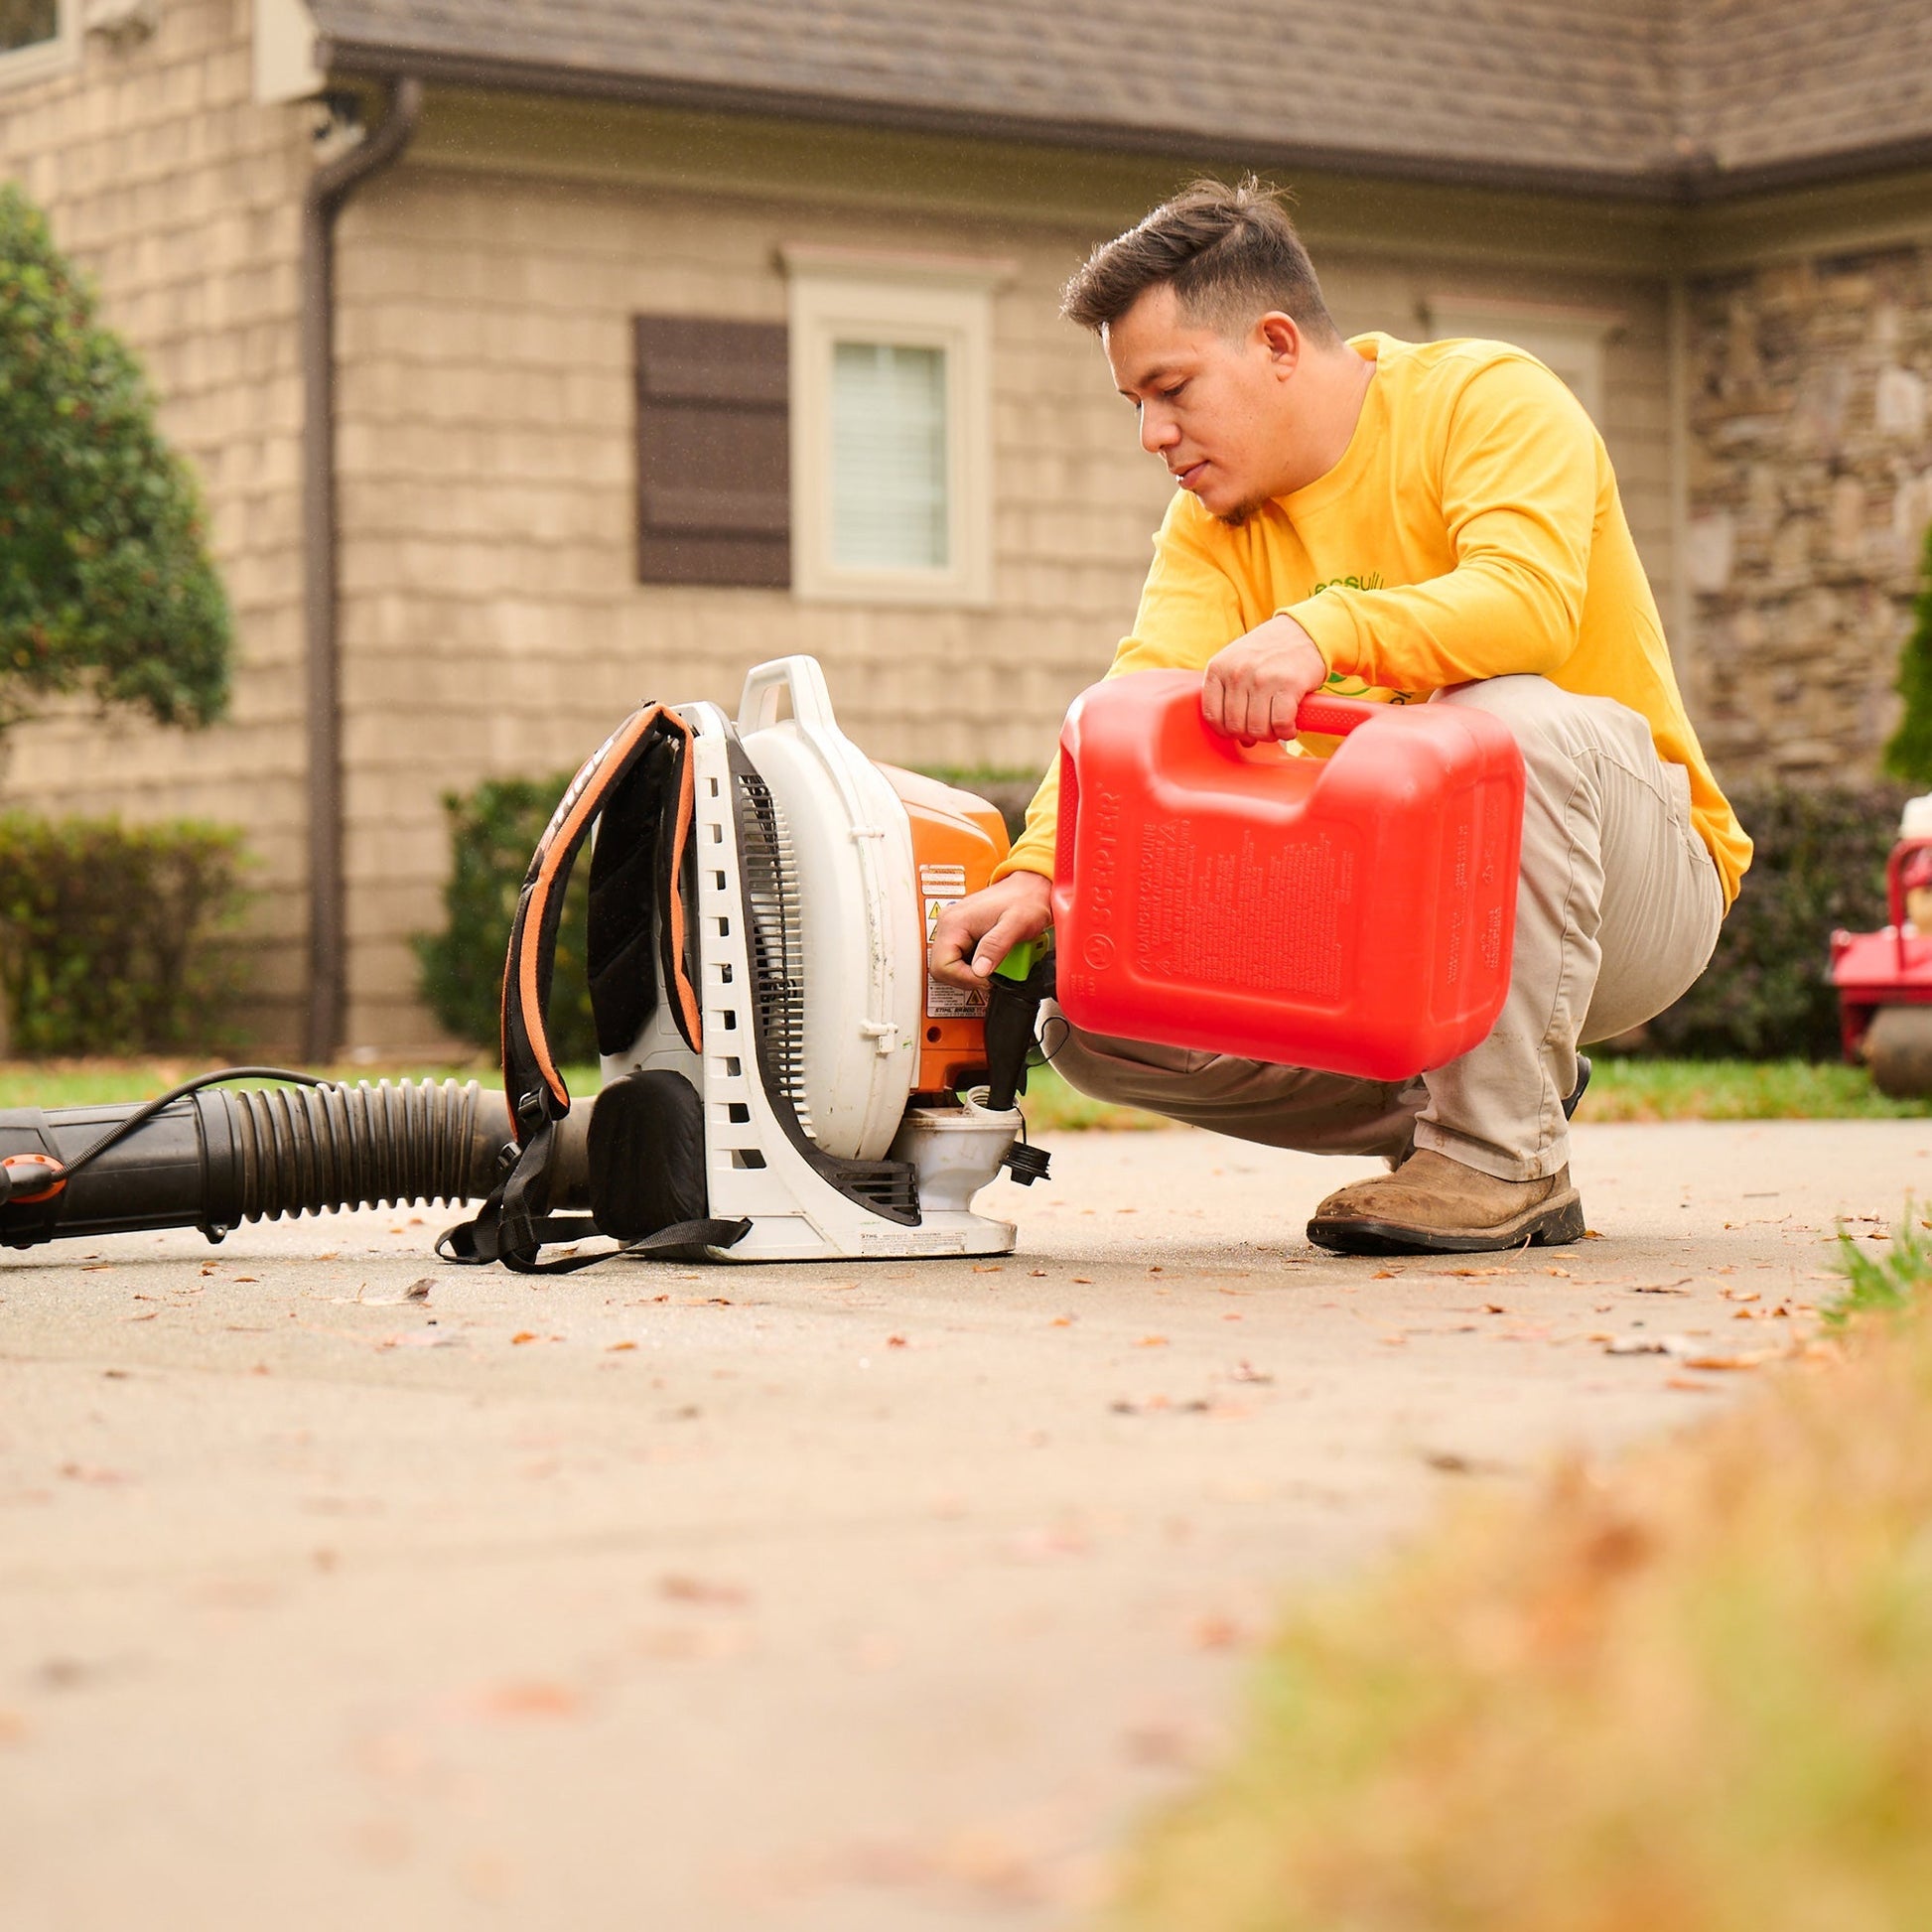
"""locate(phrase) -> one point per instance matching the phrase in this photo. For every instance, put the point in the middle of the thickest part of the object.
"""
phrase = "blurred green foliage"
(1820, 864)
(1909, 754)
(493, 830)
(105, 582)
(110, 934)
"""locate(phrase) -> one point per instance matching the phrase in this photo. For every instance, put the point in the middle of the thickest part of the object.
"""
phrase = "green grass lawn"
(1632, 1089)
(1619, 1090)
(1690, 1693)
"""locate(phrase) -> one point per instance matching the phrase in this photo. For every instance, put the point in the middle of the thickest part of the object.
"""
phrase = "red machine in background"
(1884, 979)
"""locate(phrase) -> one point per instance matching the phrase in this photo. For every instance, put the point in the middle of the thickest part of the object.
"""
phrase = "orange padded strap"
(525, 1035)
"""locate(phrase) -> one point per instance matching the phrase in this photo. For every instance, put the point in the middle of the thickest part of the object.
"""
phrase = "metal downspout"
(328, 187)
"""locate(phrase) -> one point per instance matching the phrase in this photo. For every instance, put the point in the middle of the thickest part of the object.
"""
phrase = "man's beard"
(1240, 514)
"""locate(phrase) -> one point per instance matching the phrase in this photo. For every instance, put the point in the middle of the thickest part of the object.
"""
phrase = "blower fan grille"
(777, 941)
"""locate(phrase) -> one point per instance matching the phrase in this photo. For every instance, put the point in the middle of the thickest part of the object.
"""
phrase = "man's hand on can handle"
(974, 934)
(1254, 686)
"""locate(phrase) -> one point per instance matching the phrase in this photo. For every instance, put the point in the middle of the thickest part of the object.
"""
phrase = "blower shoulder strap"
(515, 1223)
(532, 1084)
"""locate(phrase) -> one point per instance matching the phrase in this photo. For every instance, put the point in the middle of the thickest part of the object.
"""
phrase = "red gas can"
(1353, 913)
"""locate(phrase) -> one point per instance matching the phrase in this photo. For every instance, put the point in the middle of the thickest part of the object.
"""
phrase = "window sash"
(890, 487)
(892, 453)
(36, 36)
(27, 24)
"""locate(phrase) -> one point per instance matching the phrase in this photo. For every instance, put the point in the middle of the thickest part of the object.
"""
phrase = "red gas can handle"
(1327, 716)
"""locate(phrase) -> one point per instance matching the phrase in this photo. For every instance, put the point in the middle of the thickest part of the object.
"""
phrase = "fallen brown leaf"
(1215, 1633)
(1645, 1345)
(700, 1590)
(522, 1335)
(98, 1477)
(534, 1698)
(617, 1347)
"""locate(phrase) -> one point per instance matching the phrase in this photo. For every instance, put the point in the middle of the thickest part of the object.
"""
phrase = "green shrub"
(1909, 754)
(492, 832)
(107, 933)
(106, 585)
(1820, 864)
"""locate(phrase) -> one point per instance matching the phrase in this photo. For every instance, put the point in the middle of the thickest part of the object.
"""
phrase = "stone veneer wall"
(179, 196)
(1811, 489)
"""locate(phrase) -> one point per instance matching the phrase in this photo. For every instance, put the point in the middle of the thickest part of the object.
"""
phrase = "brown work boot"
(1431, 1204)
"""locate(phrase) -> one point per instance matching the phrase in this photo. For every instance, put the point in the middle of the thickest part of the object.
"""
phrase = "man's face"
(1217, 411)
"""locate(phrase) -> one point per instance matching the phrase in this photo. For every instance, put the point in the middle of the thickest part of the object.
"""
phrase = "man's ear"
(1280, 336)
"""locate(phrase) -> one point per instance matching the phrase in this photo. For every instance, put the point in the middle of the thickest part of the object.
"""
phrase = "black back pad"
(647, 1154)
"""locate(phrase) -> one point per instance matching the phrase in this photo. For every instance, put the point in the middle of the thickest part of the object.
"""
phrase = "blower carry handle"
(799, 677)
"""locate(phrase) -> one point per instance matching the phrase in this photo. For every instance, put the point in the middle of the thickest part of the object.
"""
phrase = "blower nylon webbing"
(640, 775)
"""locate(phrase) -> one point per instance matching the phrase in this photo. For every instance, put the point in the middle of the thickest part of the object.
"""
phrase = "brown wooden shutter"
(714, 452)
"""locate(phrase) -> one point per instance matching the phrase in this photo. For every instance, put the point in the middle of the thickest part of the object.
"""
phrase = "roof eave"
(436, 66)
(1692, 181)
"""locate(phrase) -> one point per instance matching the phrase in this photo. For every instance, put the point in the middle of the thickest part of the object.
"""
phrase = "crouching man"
(1403, 523)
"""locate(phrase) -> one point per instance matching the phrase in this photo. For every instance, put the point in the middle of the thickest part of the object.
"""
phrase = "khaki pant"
(1616, 914)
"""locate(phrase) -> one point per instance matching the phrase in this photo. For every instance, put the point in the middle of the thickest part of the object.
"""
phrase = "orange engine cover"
(957, 840)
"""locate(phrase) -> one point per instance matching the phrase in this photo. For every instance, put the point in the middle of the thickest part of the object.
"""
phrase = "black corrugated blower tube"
(197, 1158)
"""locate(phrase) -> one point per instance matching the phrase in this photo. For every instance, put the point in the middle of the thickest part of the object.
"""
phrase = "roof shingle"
(1631, 93)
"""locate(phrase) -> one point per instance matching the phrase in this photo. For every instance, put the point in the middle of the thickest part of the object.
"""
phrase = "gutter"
(1690, 181)
(328, 187)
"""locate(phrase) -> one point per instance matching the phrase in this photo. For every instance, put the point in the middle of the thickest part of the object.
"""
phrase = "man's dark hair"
(1229, 253)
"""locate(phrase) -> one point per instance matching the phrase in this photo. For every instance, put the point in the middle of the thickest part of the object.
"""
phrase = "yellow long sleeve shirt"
(1471, 528)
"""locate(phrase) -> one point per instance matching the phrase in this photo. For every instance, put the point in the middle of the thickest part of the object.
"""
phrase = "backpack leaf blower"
(781, 1078)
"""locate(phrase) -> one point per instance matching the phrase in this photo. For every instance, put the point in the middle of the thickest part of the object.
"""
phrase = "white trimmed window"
(35, 36)
(892, 426)
(1566, 341)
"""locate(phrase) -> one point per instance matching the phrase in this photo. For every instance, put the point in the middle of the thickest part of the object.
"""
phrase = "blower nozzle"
(210, 1159)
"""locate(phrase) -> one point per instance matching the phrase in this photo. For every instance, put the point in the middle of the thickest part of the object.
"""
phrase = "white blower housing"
(816, 998)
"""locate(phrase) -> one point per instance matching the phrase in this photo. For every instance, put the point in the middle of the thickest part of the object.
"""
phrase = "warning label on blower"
(941, 887)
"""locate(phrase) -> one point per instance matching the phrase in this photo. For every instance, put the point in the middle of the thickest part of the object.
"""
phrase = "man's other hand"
(1255, 685)
(974, 934)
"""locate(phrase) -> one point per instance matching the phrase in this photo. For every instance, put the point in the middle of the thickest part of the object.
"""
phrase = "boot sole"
(1549, 1224)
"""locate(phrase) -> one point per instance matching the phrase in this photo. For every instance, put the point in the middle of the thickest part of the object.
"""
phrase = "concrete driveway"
(773, 1600)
